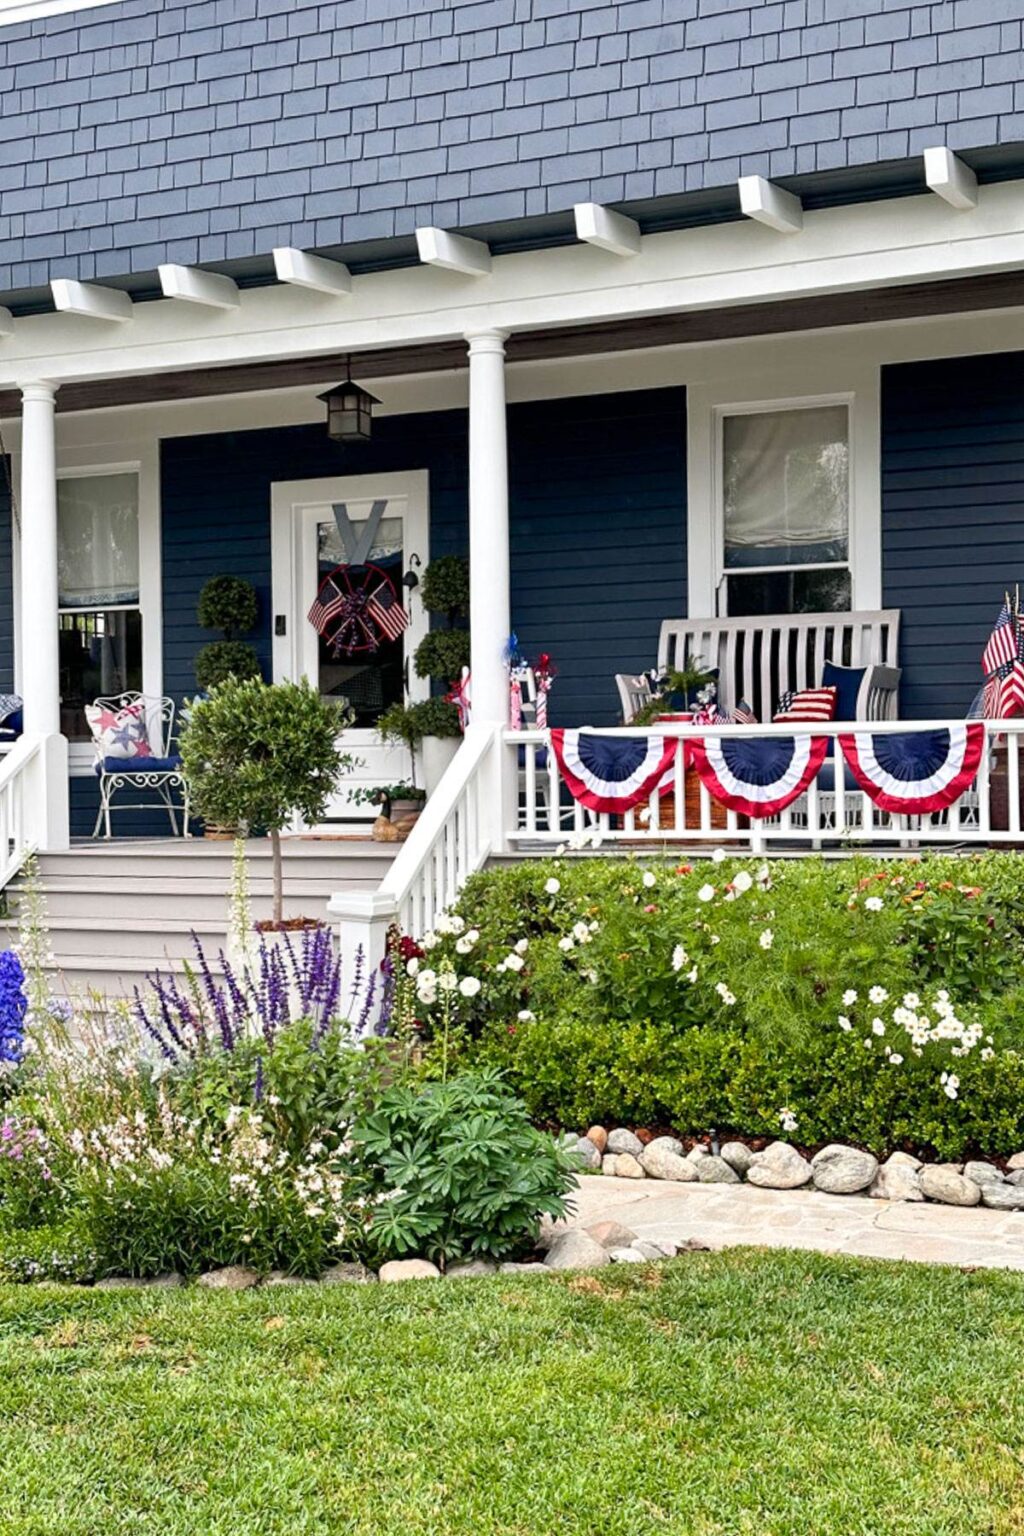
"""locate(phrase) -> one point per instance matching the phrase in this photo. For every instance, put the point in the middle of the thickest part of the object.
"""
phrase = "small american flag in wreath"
(357, 608)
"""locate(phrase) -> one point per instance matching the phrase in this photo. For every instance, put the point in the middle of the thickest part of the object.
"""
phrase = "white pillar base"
(364, 920)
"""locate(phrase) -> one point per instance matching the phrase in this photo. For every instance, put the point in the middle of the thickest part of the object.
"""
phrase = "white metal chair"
(159, 770)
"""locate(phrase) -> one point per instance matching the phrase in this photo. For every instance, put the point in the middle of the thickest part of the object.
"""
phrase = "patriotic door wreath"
(357, 609)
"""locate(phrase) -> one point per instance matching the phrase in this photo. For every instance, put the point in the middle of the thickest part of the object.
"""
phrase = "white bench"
(760, 658)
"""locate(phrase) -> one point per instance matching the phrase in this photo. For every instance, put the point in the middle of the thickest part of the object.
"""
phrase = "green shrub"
(222, 659)
(409, 723)
(446, 587)
(60, 1251)
(611, 989)
(228, 603)
(442, 654)
(454, 1170)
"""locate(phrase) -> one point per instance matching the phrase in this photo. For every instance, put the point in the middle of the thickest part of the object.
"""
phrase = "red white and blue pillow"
(807, 706)
(119, 733)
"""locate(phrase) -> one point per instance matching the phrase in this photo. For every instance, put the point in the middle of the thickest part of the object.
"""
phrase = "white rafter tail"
(6, 321)
(601, 226)
(949, 178)
(303, 270)
(768, 204)
(193, 286)
(90, 299)
(456, 253)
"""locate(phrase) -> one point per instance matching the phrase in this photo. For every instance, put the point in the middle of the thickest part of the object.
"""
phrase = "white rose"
(456, 923)
(525, 1016)
(469, 986)
(464, 945)
(706, 893)
(429, 941)
(552, 886)
(718, 857)
(581, 933)
(412, 967)
(521, 946)
(567, 943)
(513, 962)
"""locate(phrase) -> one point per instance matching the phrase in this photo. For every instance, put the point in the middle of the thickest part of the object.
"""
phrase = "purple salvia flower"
(257, 1087)
(150, 1027)
(364, 1017)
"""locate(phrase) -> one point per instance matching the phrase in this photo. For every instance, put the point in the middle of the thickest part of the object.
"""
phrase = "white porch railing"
(823, 816)
(33, 801)
(461, 824)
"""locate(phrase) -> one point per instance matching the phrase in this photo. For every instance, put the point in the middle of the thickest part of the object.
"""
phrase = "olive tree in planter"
(227, 603)
(258, 754)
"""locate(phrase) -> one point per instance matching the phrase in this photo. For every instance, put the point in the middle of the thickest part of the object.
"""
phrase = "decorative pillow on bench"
(846, 681)
(119, 733)
(809, 705)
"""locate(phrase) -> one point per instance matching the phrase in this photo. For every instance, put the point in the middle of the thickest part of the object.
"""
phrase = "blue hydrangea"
(13, 1007)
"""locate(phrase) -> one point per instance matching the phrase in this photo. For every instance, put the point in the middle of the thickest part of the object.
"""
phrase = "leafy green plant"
(718, 994)
(386, 795)
(445, 587)
(222, 659)
(409, 723)
(442, 654)
(227, 603)
(262, 753)
(455, 1170)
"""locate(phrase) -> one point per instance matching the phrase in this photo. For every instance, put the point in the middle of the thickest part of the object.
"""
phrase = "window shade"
(786, 482)
(98, 540)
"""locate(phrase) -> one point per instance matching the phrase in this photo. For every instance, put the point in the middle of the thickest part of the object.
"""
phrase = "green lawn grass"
(776, 1394)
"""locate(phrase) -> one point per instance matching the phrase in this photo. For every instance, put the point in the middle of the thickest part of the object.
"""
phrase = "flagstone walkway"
(725, 1216)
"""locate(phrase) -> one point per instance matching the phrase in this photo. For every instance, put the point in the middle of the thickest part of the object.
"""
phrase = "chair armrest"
(878, 692)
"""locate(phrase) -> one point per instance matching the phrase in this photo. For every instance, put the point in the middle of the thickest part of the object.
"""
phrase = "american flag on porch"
(387, 612)
(1003, 665)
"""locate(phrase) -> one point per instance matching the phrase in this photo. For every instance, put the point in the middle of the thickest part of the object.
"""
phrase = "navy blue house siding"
(166, 130)
(952, 517)
(597, 487)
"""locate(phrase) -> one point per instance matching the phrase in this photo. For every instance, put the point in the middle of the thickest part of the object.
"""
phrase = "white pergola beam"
(193, 286)
(304, 270)
(456, 253)
(73, 298)
(768, 204)
(601, 226)
(949, 178)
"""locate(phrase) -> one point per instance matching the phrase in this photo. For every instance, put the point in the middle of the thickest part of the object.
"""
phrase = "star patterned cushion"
(119, 733)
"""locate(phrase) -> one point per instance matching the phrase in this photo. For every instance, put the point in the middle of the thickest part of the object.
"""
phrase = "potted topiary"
(430, 729)
(441, 656)
(227, 603)
(258, 755)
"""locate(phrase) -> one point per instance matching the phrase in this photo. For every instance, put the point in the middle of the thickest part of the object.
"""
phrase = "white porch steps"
(121, 910)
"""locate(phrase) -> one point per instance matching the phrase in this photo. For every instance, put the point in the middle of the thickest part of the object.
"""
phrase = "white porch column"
(490, 609)
(40, 666)
(40, 661)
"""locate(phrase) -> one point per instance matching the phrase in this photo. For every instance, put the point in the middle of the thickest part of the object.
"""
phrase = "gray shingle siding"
(202, 132)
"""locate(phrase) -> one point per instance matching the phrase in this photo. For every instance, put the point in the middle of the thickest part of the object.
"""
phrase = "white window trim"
(147, 468)
(707, 405)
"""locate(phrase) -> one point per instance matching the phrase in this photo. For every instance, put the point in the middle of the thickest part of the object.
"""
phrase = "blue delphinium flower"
(13, 1007)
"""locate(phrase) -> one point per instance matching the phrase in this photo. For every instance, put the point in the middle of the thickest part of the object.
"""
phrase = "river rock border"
(835, 1170)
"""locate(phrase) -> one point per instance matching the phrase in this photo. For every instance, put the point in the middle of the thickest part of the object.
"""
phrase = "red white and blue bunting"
(913, 773)
(758, 775)
(613, 773)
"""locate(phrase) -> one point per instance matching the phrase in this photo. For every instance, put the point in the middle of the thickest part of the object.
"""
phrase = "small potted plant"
(679, 691)
(259, 755)
(399, 806)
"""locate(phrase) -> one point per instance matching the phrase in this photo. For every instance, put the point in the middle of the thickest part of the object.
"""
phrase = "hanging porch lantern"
(349, 411)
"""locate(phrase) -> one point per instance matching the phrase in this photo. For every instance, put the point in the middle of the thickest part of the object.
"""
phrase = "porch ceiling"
(997, 290)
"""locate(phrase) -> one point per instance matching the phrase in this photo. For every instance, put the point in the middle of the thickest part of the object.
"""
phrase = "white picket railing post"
(364, 920)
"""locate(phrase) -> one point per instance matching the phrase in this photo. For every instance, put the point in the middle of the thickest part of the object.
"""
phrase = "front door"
(361, 529)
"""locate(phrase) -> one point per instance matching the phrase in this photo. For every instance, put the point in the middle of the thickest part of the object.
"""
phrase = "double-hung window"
(98, 585)
(785, 509)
